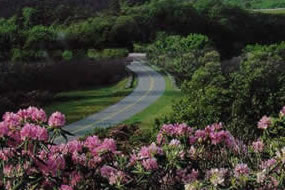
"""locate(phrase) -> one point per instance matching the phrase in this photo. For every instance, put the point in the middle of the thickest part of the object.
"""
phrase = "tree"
(115, 6)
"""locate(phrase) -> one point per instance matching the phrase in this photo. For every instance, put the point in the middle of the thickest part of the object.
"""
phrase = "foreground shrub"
(182, 157)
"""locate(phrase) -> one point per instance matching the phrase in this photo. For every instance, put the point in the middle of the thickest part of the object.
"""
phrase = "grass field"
(272, 11)
(79, 104)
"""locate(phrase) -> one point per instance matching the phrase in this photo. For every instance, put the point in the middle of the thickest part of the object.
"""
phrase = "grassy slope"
(79, 104)
(272, 11)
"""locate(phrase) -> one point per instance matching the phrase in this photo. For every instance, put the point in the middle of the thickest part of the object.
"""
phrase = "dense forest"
(228, 61)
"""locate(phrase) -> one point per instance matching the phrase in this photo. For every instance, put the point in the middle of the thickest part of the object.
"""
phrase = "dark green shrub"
(28, 55)
(124, 31)
(179, 55)
(40, 37)
(8, 36)
(29, 16)
(91, 33)
(67, 55)
(258, 88)
(107, 53)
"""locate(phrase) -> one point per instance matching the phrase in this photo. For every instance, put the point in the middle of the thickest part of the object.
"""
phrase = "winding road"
(151, 86)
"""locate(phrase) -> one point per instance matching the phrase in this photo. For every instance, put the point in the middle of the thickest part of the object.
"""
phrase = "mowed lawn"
(79, 104)
(272, 11)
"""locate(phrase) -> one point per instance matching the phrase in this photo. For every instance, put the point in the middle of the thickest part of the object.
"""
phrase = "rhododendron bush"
(181, 158)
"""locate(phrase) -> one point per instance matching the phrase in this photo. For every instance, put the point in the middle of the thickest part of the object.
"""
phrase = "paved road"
(151, 86)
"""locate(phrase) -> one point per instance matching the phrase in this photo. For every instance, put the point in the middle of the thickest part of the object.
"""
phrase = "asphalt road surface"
(150, 87)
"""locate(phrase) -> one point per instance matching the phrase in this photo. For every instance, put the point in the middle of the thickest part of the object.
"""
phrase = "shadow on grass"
(77, 98)
(114, 95)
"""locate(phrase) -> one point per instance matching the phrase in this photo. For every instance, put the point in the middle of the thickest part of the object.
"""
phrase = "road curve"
(151, 86)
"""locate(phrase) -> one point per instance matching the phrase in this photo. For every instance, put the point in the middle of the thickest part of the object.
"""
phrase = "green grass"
(269, 11)
(81, 103)
(163, 106)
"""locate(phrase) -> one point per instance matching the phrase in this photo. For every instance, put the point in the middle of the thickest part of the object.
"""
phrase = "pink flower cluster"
(258, 146)
(182, 156)
(66, 187)
(146, 157)
(264, 123)
(215, 135)
(241, 170)
(186, 176)
(176, 130)
(113, 175)
(26, 124)
(56, 120)
(34, 114)
(34, 132)
(97, 147)
(268, 163)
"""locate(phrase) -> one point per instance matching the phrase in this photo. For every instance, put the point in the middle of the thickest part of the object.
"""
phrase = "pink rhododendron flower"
(94, 162)
(108, 145)
(113, 175)
(264, 123)
(150, 151)
(159, 138)
(12, 119)
(192, 140)
(4, 129)
(176, 130)
(33, 113)
(185, 176)
(74, 146)
(241, 170)
(182, 129)
(92, 142)
(79, 158)
(57, 119)
(150, 164)
(65, 187)
(258, 146)
(107, 171)
(200, 134)
(75, 178)
(268, 164)
(8, 170)
(34, 132)
(52, 165)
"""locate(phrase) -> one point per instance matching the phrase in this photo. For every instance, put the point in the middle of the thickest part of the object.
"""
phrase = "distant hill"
(11, 7)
